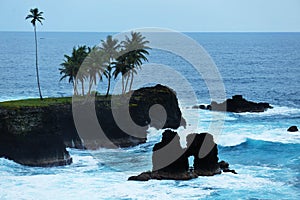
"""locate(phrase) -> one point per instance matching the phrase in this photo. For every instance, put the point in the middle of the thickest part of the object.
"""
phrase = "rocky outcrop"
(125, 120)
(144, 98)
(293, 129)
(170, 160)
(35, 150)
(208, 164)
(53, 126)
(236, 104)
(169, 148)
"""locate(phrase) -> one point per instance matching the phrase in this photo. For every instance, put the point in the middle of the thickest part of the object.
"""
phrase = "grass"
(35, 102)
(49, 101)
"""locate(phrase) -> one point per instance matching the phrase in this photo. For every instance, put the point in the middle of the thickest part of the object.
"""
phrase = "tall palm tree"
(136, 48)
(35, 15)
(111, 47)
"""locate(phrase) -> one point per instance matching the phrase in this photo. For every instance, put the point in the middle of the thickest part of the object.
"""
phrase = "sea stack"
(170, 160)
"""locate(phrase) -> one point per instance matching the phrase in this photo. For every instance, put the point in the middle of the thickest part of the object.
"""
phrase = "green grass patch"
(36, 102)
(50, 101)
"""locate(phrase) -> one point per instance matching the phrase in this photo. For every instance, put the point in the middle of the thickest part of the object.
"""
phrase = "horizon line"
(174, 30)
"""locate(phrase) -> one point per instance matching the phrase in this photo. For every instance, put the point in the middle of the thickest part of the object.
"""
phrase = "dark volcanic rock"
(142, 99)
(206, 162)
(293, 129)
(238, 104)
(53, 126)
(125, 126)
(35, 150)
(30, 136)
(162, 175)
(224, 166)
(166, 166)
(164, 150)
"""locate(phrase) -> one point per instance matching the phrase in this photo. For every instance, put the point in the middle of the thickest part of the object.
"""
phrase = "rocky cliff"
(38, 135)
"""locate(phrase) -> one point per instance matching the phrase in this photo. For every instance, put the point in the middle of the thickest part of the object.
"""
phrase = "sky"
(179, 15)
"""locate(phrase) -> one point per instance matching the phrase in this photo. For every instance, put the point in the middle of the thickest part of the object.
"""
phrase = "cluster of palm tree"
(111, 59)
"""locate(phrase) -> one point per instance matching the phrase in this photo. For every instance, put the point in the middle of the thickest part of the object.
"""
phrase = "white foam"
(276, 110)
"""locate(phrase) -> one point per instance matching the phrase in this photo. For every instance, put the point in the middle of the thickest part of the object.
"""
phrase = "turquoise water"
(260, 66)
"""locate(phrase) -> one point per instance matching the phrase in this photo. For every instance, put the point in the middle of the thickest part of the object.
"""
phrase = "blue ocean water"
(260, 66)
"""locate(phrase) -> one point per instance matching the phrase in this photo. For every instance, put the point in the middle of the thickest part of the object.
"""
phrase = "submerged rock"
(170, 160)
(237, 104)
(293, 129)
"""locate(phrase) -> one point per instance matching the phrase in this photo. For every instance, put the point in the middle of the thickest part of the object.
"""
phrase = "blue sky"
(180, 15)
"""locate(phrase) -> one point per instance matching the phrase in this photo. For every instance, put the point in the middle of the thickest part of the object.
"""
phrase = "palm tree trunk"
(126, 83)
(123, 92)
(108, 86)
(36, 65)
(82, 87)
(131, 81)
(90, 86)
(75, 88)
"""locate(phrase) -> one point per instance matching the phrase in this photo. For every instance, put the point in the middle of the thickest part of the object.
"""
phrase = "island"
(36, 133)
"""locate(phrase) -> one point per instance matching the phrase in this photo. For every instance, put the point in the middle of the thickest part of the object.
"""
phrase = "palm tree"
(95, 64)
(71, 67)
(122, 67)
(136, 48)
(111, 47)
(35, 15)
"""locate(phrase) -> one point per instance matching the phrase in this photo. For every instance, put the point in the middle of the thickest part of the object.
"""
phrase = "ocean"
(263, 67)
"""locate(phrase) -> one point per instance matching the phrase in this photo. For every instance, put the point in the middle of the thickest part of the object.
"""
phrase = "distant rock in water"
(293, 129)
(237, 104)
(170, 160)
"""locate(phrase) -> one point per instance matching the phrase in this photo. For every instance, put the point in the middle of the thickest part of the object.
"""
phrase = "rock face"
(33, 136)
(26, 131)
(118, 126)
(237, 104)
(293, 129)
(35, 150)
(208, 165)
(166, 166)
(142, 99)
(169, 146)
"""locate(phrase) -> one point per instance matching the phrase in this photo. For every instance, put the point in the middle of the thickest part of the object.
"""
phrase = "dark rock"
(164, 150)
(293, 129)
(200, 146)
(205, 152)
(53, 126)
(145, 176)
(144, 98)
(116, 122)
(35, 150)
(224, 166)
(202, 107)
(162, 175)
(238, 104)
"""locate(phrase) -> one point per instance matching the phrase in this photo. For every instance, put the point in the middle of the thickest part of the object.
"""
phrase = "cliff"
(37, 135)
